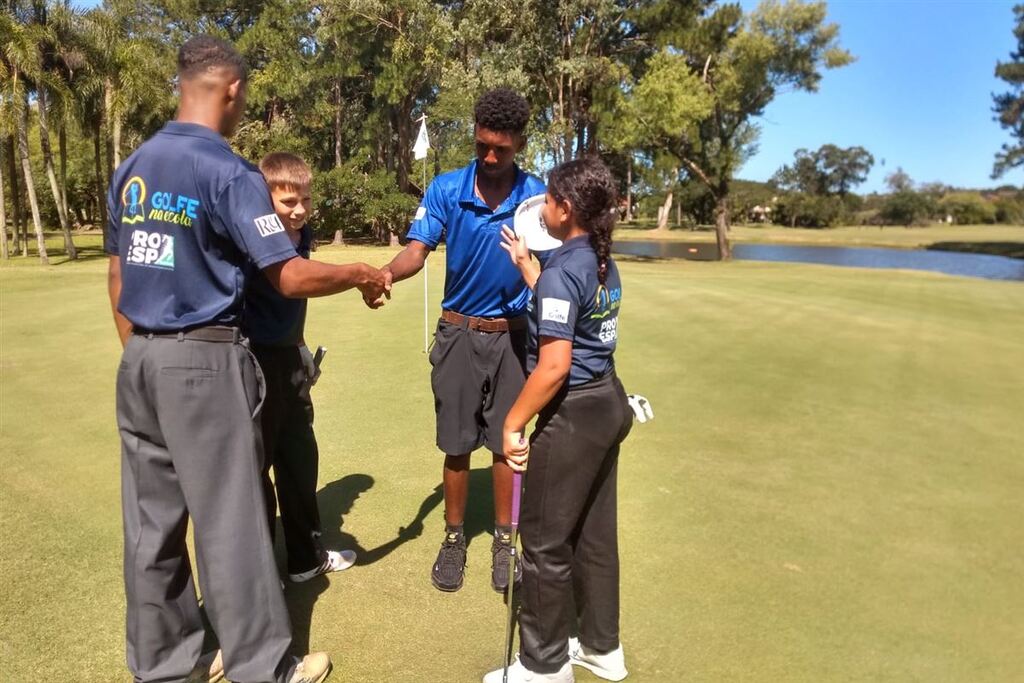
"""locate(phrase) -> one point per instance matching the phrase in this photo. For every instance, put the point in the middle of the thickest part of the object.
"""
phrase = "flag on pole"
(419, 150)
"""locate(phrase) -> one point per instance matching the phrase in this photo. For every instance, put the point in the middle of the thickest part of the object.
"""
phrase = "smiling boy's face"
(292, 205)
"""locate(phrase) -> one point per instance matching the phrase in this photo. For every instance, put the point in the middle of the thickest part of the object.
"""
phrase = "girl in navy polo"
(568, 523)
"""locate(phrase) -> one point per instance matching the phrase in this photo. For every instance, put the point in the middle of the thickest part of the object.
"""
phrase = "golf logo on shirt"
(606, 301)
(268, 225)
(133, 199)
(556, 310)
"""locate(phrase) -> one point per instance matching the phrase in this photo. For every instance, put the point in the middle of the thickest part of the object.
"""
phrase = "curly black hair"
(201, 53)
(589, 186)
(502, 110)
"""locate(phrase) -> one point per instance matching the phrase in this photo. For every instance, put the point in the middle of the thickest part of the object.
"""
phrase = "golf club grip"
(517, 495)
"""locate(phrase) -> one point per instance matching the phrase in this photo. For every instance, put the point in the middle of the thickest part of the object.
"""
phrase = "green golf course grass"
(830, 490)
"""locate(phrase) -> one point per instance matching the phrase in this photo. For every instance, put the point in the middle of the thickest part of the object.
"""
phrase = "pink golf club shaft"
(517, 494)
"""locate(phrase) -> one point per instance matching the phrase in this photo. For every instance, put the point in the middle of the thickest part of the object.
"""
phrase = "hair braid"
(588, 184)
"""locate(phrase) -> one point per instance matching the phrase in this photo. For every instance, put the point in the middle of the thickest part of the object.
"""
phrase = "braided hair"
(588, 185)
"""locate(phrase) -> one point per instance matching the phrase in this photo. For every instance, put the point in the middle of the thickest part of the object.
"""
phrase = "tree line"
(668, 92)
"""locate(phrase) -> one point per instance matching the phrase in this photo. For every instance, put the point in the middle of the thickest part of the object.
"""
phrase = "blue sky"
(919, 95)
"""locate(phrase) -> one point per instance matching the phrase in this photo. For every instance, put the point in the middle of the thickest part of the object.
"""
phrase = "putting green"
(831, 489)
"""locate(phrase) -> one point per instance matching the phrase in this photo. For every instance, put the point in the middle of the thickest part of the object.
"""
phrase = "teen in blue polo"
(480, 343)
(189, 222)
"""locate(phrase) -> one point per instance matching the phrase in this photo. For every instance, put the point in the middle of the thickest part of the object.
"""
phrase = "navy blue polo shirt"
(188, 219)
(480, 279)
(270, 318)
(569, 303)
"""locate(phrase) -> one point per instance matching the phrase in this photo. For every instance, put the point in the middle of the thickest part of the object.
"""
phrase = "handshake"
(375, 285)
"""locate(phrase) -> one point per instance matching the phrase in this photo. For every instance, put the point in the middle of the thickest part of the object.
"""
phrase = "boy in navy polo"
(480, 343)
(189, 221)
(275, 327)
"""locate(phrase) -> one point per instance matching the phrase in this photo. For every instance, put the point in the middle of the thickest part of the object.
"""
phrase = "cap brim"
(529, 226)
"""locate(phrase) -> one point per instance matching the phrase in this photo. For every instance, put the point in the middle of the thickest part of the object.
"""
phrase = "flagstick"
(426, 304)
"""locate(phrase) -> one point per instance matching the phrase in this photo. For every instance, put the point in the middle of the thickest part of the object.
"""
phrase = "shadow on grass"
(1009, 249)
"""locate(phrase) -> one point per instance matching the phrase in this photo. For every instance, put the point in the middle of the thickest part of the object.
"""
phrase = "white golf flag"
(419, 150)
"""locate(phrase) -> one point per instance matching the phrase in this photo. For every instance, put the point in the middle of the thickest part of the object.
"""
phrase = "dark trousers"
(290, 445)
(568, 525)
(187, 413)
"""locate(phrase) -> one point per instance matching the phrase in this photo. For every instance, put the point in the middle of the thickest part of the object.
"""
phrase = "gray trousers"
(188, 415)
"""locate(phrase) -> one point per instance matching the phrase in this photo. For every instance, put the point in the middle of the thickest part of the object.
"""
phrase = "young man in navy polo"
(188, 222)
(479, 352)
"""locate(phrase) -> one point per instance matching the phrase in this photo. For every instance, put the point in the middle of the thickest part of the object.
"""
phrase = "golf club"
(517, 490)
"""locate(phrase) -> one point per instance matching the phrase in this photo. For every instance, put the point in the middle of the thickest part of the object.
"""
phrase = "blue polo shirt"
(480, 279)
(569, 303)
(270, 318)
(189, 219)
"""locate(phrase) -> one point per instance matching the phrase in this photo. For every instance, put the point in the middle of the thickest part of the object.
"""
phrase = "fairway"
(830, 491)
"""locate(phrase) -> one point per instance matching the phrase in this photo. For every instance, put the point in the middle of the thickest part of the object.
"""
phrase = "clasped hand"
(516, 450)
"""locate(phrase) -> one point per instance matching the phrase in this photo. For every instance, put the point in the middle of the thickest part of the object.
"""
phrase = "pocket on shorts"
(442, 335)
(261, 383)
(190, 373)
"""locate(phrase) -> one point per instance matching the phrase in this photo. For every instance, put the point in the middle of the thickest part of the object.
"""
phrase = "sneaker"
(501, 551)
(334, 561)
(450, 567)
(517, 673)
(610, 666)
(208, 669)
(313, 668)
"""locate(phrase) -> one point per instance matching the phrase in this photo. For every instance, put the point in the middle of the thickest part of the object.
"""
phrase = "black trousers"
(290, 445)
(568, 524)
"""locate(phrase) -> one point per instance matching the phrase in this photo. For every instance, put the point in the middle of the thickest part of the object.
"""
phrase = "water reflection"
(951, 263)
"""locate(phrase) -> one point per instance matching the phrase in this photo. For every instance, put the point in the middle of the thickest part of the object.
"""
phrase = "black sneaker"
(501, 550)
(450, 567)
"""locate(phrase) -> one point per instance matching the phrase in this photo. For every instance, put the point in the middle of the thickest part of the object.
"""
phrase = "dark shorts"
(476, 378)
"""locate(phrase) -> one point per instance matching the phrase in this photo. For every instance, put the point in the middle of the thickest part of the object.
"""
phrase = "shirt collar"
(467, 193)
(195, 130)
(578, 242)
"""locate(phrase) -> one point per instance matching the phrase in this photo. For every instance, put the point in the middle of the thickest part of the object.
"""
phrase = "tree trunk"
(663, 212)
(3, 216)
(722, 228)
(629, 190)
(12, 171)
(101, 198)
(679, 214)
(62, 146)
(403, 153)
(108, 113)
(339, 238)
(26, 168)
(58, 198)
(337, 124)
(393, 239)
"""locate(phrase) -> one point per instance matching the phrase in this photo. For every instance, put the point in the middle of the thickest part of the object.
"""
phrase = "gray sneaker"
(501, 551)
(450, 567)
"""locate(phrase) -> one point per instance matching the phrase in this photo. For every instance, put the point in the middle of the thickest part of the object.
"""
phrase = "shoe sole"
(600, 673)
(446, 589)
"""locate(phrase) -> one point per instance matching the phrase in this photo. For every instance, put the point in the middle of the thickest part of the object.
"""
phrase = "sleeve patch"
(420, 213)
(268, 225)
(553, 309)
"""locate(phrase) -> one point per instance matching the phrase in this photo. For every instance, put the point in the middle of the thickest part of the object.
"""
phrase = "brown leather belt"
(471, 322)
(210, 333)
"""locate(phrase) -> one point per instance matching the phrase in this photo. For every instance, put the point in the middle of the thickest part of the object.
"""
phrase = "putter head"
(641, 407)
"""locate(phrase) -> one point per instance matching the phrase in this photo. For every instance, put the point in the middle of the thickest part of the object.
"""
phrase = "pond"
(949, 262)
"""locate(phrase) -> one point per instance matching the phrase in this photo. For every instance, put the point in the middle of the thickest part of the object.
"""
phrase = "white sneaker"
(517, 673)
(313, 668)
(335, 561)
(610, 666)
(209, 669)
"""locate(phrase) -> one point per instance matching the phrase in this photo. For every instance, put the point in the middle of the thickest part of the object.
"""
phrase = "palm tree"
(20, 58)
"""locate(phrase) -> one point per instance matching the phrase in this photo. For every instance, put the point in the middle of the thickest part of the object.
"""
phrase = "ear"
(565, 208)
(234, 88)
(522, 144)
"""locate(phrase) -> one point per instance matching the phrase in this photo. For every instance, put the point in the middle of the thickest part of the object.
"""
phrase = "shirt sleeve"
(430, 217)
(245, 211)
(558, 304)
(110, 240)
